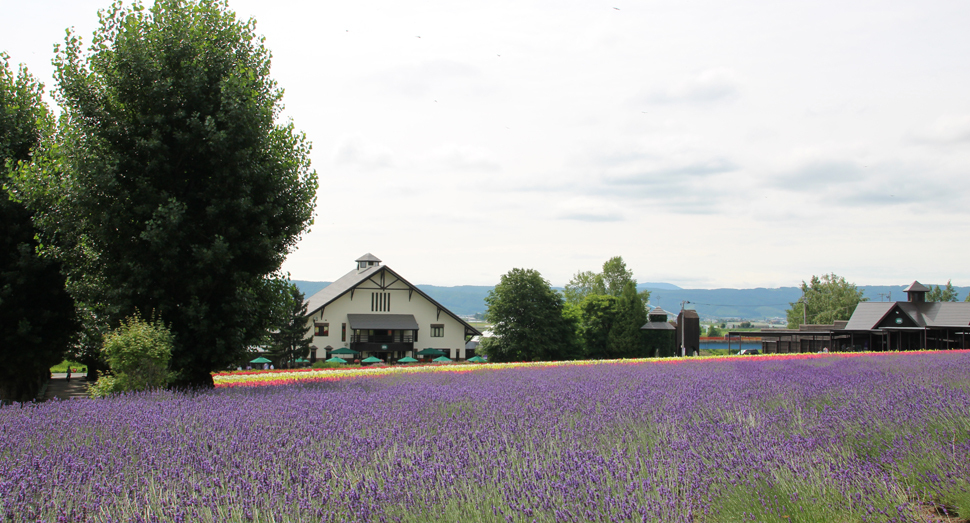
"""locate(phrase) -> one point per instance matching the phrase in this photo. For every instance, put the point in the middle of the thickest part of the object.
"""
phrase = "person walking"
(68, 373)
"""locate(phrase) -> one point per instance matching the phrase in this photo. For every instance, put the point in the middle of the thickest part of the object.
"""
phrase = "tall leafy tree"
(37, 317)
(289, 340)
(597, 314)
(171, 176)
(947, 293)
(528, 320)
(626, 339)
(582, 285)
(827, 298)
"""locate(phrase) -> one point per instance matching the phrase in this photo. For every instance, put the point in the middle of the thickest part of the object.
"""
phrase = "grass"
(62, 367)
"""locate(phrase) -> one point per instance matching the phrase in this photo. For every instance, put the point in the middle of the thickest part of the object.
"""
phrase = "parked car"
(749, 352)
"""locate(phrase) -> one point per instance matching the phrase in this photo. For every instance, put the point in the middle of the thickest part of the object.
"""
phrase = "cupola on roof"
(367, 261)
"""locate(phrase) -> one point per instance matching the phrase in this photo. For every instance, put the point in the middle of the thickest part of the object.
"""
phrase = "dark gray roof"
(916, 287)
(338, 288)
(382, 321)
(368, 258)
(868, 315)
(658, 326)
(658, 311)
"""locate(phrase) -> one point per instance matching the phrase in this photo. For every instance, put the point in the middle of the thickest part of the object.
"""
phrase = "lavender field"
(832, 439)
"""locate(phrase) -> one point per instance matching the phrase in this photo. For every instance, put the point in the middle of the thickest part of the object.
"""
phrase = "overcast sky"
(709, 143)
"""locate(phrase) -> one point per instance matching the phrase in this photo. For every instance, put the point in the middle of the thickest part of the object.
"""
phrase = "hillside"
(752, 304)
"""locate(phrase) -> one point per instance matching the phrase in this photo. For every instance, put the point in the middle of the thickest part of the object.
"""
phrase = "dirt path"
(58, 387)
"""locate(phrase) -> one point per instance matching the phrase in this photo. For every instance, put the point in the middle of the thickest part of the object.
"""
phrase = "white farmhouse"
(374, 311)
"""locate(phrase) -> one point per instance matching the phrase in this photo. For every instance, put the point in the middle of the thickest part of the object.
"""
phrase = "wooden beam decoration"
(439, 314)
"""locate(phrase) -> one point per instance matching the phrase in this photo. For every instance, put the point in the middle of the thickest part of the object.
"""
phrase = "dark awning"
(382, 321)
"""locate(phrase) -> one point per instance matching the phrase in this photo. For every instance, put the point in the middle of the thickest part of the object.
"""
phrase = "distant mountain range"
(749, 304)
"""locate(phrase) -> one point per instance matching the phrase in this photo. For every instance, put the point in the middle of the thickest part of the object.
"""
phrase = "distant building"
(375, 311)
(913, 324)
(659, 334)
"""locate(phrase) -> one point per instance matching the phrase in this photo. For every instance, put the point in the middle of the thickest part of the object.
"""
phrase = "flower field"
(819, 439)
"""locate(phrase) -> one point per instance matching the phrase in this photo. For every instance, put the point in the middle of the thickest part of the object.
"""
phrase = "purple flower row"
(875, 438)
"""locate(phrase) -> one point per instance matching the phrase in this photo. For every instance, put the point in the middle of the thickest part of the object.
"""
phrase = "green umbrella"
(477, 359)
(431, 352)
(301, 360)
(336, 360)
(372, 360)
(407, 359)
(442, 359)
(260, 360)
(344, 350)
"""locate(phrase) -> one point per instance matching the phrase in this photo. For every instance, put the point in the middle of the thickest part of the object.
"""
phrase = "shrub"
(138, 353)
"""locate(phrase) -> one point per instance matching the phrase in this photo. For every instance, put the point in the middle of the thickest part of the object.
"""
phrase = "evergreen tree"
(37, 317)
(170, 187)
(290, 341)
(946, 294)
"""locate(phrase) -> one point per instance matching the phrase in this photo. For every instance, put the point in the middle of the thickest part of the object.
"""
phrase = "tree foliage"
(289, 340)
(138, 353)
(37, 317)
(626, 339)
(828, 298)
(170, 187)
(947, 293)
(528, 320)
(596, 314)
(583, 284)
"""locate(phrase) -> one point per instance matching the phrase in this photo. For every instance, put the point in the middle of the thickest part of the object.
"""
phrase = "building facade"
(374, 311)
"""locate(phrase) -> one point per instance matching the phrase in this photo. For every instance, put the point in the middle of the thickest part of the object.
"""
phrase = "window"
(343, 332)
(321, 329)
(437, 330)
(380, 302)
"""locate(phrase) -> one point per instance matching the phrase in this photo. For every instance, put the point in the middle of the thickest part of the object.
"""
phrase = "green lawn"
(62, 367)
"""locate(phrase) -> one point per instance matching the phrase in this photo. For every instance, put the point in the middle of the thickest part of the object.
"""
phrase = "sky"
(710, 144)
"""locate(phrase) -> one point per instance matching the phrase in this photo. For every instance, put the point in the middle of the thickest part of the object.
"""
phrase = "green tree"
(583, 284)
(625, 338)
(289, 340)
(170, 187)
(828, 299)
(713, 331)
(595, 318)
(37, 316)
(946, 294)
(527, 319)
(138, 353)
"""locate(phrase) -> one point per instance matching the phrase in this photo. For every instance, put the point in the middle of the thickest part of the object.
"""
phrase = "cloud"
(712, 85)
(813, 173)
(464, 158)
(886, 182)
(417, 80)
(589, 210)
(945, 130)
(356, 152)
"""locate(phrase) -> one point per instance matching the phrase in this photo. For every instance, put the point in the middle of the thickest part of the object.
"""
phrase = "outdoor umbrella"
(301, 360)
(407, 359)
(372, 360)
(430, 352)
(260, 360)
(336, 360)
(442, 359)
(477, 359)
(344, 350)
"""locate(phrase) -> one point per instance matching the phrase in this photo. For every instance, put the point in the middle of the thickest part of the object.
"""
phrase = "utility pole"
(683, 329)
